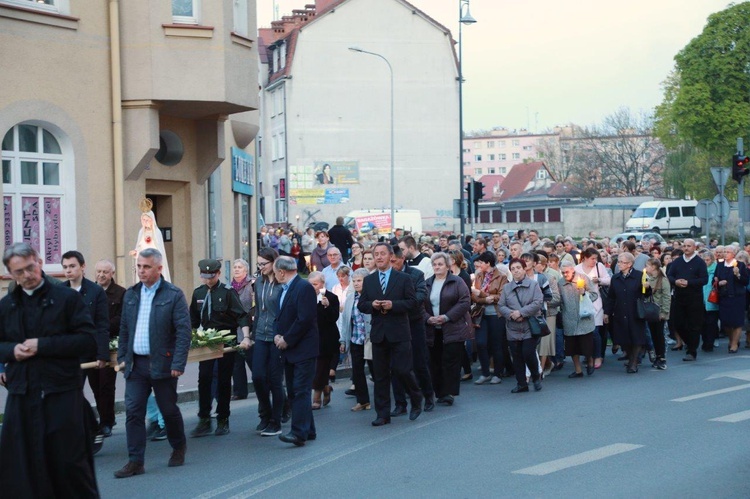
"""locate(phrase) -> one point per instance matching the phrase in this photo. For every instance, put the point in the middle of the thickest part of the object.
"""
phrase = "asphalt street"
(681, 433)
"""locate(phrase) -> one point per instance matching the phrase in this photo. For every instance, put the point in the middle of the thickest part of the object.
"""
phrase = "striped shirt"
(141, 345)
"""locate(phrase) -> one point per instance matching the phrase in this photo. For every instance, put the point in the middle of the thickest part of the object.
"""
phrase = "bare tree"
(619, 157)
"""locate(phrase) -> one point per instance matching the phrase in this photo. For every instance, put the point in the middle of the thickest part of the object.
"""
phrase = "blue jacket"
(169, 330)
(297, 322)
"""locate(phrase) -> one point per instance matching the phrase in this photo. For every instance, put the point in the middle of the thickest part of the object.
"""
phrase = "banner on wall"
(323, 173)
(243, 165)
(318, 196)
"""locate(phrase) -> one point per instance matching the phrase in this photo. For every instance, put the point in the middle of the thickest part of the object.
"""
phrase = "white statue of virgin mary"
(150, 237)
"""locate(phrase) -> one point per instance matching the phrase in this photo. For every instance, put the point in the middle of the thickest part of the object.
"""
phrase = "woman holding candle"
(579, 332)
(732, 277)
(628, 330)
(597, 273)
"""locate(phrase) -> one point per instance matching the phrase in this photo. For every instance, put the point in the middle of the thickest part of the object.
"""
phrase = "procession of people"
(412, 311)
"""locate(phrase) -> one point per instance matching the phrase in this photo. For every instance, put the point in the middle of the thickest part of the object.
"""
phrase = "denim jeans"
(489, 338)
(267, 380)
(299, 378)
(152, 411)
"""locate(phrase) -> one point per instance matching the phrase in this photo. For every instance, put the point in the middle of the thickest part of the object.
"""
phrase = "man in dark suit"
(388, 295)
(418, 340)
(297, 338)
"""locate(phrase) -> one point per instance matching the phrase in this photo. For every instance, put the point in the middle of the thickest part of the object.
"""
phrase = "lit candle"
(580, 283)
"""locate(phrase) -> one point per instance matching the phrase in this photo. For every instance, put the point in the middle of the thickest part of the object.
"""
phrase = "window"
(553, 215)
(282, 55)
(240, 17)
(527, 148)
(484, 216)
(516, 155)
(477, 157)
(688, 211)
(503, 169)
(662, 213)
(490, 144)
(467, 150)
(501, 143)
(477, 171)
(516, 143)
(539, 215)
(490, 171)
(38, 192)
(541, 174)
(511, 217)
(282, 145)
(186, 11)
(58, 6)
(502, 157)
(275, 66)
(525, 216)
(674, 211)
(497, 216)
(280, 201)
(274, 147)
(492, 157)
(477, 145)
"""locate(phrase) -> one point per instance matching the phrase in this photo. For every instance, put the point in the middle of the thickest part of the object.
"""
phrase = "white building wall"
(338, 109)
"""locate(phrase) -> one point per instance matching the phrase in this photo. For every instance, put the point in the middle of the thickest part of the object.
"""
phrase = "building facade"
(325, 146)
(111, 102)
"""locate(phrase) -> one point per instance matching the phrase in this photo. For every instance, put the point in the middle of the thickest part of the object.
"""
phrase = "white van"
(666, 217)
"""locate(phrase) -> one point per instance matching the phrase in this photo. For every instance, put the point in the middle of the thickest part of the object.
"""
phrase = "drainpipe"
(117, 159)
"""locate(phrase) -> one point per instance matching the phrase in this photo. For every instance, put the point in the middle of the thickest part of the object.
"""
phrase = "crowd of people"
(416, 315)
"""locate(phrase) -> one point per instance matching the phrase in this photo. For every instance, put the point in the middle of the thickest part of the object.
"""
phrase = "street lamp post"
(463, 18)
(393, 164)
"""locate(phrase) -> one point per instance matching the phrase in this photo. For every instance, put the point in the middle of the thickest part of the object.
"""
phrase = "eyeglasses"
(260, 265)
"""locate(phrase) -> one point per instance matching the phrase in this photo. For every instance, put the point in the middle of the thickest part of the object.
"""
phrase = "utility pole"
(740, 197)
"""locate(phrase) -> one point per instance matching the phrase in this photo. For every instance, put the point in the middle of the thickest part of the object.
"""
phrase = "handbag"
(586, 308)
(539, 327)
(713, 296)
(477, 312)
(647, 310)
(368, 349)
(603, 290)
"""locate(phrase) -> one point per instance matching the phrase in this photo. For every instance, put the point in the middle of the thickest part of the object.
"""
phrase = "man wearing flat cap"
(215, 306)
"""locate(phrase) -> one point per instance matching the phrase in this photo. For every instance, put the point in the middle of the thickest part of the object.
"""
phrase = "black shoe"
(222, 427)
(350, 393)
(429, 404)
(161, 434)
(538, 385)
(202, 429)
(575, 375)
(651, 356)
(623, 357)
(381, 421)
(447, 400)
(660, 364)
(291, 438)
(271, 430)
(312, 436)
(153, 427)
(178, 457)
(262, 425)
(106, 431)
(520, 389)
(130, 469)
(590, 370)
(98, 442)
(558, 366)
(415, 411)
(688, 357)
(399, 410)
(632, 369)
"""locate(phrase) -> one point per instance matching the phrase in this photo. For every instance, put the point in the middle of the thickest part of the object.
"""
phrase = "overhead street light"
(393, 165)
(463, 18)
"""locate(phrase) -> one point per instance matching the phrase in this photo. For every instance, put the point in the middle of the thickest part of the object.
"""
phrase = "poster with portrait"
(336, 172)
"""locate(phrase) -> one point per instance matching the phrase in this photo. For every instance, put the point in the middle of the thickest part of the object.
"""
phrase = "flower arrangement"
(211, 338)
(114, 343)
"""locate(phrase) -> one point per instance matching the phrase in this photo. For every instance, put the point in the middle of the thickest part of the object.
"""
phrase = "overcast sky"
(541, 63)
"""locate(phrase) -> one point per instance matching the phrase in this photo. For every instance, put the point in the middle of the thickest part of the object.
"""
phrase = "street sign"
(720, 175)
(459, 208)
(722, 203)
(706, 209)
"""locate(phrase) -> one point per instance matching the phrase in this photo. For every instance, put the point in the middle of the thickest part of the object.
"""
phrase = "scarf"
(238, 286)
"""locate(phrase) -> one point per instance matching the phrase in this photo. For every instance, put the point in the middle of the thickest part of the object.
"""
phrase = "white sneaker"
(670, 341)
(716, 343)
(482, 380)
(495, 380)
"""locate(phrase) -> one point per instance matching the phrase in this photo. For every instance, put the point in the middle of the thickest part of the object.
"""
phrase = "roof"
(288, 28)
(518, 179)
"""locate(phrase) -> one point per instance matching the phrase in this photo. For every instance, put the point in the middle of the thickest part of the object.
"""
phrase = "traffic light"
(478, 191)
(738, 167)
(469, 203)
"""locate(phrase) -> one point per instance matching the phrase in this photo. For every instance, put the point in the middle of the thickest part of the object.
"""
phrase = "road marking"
(741, 375)
(317, 460)
(711, 393)
(737, 417)
(577, 459)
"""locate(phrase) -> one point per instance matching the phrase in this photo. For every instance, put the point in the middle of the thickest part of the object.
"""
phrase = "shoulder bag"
(537, 324)
(603, 290)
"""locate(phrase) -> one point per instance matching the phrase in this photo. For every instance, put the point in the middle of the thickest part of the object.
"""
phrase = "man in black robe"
(45, 444)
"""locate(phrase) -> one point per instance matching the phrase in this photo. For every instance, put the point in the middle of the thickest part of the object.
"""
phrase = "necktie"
(207, 306)
(382, 281)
